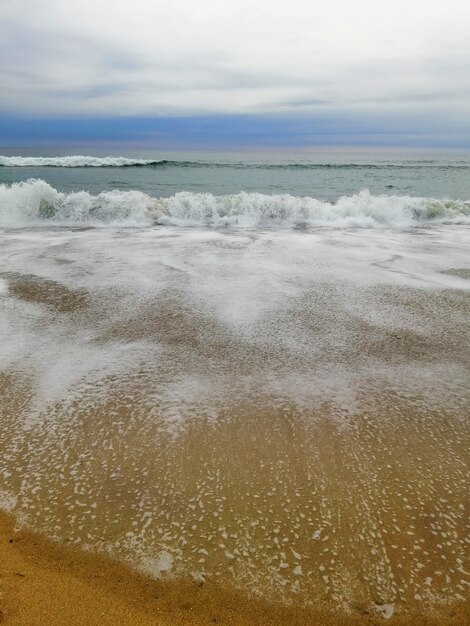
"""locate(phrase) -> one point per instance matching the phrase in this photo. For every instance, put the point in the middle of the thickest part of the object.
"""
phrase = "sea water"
(250, 189)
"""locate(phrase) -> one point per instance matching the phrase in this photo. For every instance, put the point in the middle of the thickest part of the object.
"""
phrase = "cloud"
(342, 59)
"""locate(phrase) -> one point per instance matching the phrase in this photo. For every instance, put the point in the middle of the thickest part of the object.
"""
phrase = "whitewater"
(35, 202)
(74, 161)
(80, 161)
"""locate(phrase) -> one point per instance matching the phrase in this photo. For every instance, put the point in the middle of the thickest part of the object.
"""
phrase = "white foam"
(73, 161)
(385, 610)
(155, 567)
(7, 501)
(239, 285)
(258, 210)
(35, 202)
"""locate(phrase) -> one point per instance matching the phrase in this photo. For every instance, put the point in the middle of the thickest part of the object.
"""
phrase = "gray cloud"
(100, 57)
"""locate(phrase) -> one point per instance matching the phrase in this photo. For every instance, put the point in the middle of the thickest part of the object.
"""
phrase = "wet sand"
(45, 584)
(344, 524)
(265, 429)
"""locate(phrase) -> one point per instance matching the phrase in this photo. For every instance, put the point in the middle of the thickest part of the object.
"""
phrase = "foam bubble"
(385, 610)
(157, 566)
(7, 501)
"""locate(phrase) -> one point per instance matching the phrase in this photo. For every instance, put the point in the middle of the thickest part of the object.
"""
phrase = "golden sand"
(44, 584)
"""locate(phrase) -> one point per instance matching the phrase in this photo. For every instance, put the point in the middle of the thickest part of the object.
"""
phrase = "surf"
(75, 161)
(34, 203)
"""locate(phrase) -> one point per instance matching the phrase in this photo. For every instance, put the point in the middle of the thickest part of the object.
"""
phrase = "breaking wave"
(36, 203)
(89, 161)
(74, 161)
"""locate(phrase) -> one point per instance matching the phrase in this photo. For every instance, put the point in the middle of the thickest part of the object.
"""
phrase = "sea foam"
(35, 202)
(74, 161)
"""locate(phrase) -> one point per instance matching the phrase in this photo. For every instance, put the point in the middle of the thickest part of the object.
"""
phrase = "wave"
(74, 161)
(89, 161)
(35, 203)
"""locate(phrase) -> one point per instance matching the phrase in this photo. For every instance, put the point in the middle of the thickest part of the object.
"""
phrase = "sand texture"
(43, 584)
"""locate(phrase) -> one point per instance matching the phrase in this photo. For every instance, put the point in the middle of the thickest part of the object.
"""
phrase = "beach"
(43, 583)
(262, 419)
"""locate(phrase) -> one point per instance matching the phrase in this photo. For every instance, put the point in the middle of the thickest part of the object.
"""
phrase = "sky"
(257, 72)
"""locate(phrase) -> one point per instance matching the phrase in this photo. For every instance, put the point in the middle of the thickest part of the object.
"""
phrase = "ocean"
(251, 189)
(248, 368)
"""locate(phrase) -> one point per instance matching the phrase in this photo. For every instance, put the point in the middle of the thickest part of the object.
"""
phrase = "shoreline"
(44, 583)
(209, 408)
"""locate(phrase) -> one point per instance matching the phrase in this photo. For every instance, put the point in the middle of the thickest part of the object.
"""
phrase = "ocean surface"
(249, 190)
(244, 368)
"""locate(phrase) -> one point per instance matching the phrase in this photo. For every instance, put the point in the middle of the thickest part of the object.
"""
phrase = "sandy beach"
(44, 584)
(243, 428)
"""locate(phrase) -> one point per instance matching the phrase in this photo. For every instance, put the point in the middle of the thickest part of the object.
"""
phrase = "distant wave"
(89, 161)
(74, 161)
(35, 203)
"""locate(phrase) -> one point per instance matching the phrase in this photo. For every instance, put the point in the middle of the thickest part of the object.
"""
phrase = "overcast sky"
(400, 61)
